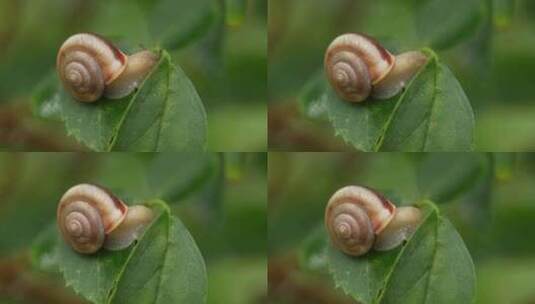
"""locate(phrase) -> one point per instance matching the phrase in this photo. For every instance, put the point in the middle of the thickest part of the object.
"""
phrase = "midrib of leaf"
(430, 271)
(166, 105)
(113, 290)
(162, 268)
(117, 129)
(131, 254)
(434, 99)
(402, 251)
(432, 57)
(370, 295)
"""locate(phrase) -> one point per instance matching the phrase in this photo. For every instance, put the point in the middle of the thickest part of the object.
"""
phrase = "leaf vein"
(164, 262)
(164, 110)
(433, 106)
(435, 249)
(398, 258)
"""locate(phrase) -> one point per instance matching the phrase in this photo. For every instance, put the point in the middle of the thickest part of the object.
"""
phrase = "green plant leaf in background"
(165, 114)
(444, 23)
(176, 23)
(313, 253)
(432, 114)
(172, 176)
(442, 177)
(164, 266)
(311, 98)
(434, 266)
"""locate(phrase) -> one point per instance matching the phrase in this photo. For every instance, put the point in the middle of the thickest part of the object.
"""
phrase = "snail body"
(90, 217)
(357, 66)
(358, 219)
(89, 66)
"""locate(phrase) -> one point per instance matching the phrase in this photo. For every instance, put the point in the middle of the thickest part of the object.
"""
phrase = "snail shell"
(358, 218)
(354, 215)
(357, 66)
(90, 66)
(88, 215)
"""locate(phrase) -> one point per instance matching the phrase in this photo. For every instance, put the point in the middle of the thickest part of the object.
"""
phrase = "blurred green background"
(489, 198)
(220, 44)
(488, 44)
(221, 198)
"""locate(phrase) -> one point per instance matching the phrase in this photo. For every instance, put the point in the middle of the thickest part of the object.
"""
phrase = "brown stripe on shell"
(348, 197)
(363, 55)
(116, 52)
(344, 45)
(384, 53)
(386, 202)
(116, 201)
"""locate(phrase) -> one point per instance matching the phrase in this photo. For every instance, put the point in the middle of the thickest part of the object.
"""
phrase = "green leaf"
(172, 176)
(47, 90)
(176, 23)
(444, 23)
(165, 114)
(444, 176)
(164, 266)
(313, 253)
(434, 266)
(361, 125)
(432, 114)
(311, 98)
(44, 253)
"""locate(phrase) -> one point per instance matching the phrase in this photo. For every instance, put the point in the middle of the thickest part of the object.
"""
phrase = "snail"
(89, 66)
(90, 217)
(358, 218)
(357, 66)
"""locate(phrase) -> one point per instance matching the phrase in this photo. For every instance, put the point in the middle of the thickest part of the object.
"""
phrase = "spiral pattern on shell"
(82, 227)
(86, 213)
(354, 63)
(354, 216)
(349, 75)
(82, 76)
(86, 63)
(350, 229)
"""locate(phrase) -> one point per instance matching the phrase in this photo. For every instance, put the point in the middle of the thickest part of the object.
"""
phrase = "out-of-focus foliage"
(220, 198)
(488, 197)
(488, 44)
(227, 63)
